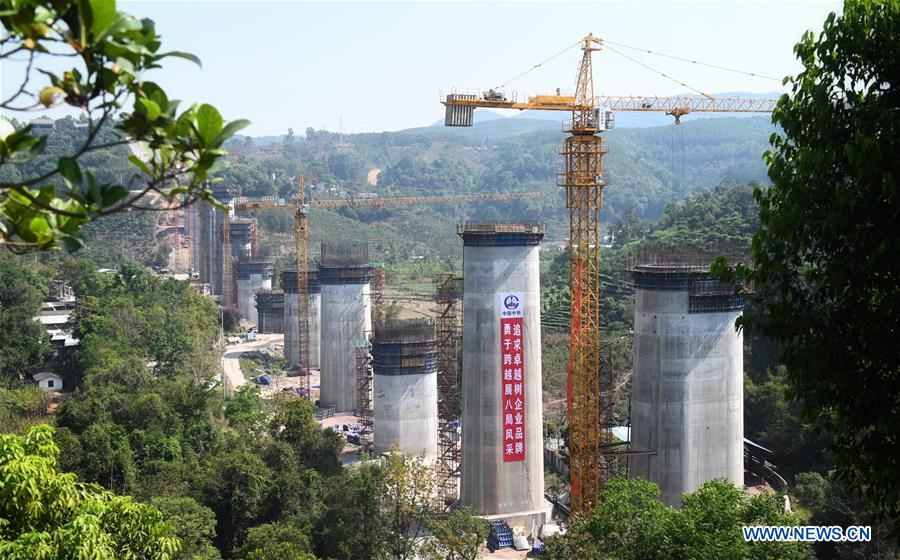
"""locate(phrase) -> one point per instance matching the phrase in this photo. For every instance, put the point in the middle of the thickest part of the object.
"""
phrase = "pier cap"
(500, 234)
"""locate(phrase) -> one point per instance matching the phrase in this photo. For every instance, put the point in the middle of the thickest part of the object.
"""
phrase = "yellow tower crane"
(301, 233)
(590, 439)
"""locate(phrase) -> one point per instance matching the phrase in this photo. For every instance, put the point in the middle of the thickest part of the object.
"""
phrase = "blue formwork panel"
(501, 536)
(404, 358)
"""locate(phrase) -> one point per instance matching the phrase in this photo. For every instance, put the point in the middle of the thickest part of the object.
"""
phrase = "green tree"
(275, 541)
(827, 258)
(407, 501)
(179, 151)
(774, 419)
(22, 406)
(107, 456)
(24, 344)
(245, 410)
(629, 523)
(810, 489)
(235, 485)
(459, 537)
(194, 524)
(45, 513)
(830, 502)
(294, 422)
(353, 528)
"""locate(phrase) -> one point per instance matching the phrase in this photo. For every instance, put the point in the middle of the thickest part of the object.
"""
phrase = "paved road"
(231, 363)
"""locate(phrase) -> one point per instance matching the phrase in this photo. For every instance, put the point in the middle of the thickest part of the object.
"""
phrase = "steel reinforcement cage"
(289, 281)
(687, 269)
(344, 254)
(345, 263)
(243, 269)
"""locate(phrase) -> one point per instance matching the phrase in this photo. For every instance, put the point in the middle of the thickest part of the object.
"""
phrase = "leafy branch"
(183, 149)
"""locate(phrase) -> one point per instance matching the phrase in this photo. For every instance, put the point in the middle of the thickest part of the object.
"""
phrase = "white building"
(48, 381)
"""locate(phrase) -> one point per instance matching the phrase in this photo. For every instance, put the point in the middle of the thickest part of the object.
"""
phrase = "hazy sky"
(381, 66)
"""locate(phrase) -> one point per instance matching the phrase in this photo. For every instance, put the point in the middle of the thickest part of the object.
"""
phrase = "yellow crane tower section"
(590, 417)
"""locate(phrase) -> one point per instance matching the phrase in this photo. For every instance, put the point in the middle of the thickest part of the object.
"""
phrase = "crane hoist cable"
(664, 75)
(683, 189)
(692, 61)
(678, 189)
(536, 66)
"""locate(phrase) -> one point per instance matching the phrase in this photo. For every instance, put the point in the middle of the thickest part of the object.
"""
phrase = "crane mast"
(583, 181)
(301, 234)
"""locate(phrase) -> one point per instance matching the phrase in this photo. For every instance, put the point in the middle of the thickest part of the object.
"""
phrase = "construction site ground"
(350, 452)
(502, 554)
(231, 365)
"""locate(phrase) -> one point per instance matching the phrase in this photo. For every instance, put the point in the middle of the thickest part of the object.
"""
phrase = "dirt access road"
(231, 364)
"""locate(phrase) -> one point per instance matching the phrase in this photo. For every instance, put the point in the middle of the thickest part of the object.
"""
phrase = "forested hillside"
(646, 169)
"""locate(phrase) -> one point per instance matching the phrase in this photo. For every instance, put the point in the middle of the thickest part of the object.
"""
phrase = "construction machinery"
(592, 447)
(301, 209)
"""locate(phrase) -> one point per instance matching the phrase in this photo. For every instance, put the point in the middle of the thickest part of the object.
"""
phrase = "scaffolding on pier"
(449, 305)
(364, 393)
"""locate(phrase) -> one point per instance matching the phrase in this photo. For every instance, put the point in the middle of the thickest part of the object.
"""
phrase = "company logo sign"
(512, 369)
(511, 304)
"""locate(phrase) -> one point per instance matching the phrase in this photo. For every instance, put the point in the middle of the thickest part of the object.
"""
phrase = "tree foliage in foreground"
(24, 344)
(827, 256)
(176, 152)
(47, 514)
(629, 523)
(459, 537)
(827, 501)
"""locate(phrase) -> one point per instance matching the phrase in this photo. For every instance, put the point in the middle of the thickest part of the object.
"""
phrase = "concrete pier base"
(532, 520)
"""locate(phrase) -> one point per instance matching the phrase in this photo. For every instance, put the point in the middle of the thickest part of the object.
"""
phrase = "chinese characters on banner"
(512, 364)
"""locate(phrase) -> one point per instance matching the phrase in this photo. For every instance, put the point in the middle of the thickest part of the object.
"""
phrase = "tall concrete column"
(346, 320)
(501, 279)
(270, 309)
(687, 386)
(315, 325)
(251, 276)
(212, 218)
(404, 364)
(292, 318)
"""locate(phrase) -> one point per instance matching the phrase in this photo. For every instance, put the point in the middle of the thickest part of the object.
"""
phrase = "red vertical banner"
(512, 367)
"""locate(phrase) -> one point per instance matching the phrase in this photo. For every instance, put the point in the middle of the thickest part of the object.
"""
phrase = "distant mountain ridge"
(646, 169)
